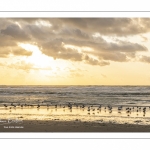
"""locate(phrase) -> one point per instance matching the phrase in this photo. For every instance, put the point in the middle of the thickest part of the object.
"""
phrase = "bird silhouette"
(38, 106)
(88, 109)
(5, 105)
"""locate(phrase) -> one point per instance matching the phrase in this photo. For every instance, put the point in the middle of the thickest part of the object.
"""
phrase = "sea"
(87, 95)
(135, 98)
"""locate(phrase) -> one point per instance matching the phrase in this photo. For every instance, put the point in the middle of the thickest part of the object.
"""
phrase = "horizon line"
(67, 85)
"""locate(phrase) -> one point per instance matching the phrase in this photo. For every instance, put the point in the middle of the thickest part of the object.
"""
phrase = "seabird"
(110, 111)
(83, 106)
(98, 108)
(119, 108)
(5, 105)
(128, 111)
(88, 109)
(38, 106)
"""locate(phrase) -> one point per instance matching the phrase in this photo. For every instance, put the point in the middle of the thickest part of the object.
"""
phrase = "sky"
(74, 51)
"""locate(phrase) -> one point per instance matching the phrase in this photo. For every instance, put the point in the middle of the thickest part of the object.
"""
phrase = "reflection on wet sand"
(119, 114)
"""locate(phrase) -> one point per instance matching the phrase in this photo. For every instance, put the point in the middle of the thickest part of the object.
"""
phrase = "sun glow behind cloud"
(75, 51)
(43, 23)
(47, 69)
(37, 58)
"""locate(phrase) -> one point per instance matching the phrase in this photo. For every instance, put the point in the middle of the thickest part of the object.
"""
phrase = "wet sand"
(60, 119)
(70, 126)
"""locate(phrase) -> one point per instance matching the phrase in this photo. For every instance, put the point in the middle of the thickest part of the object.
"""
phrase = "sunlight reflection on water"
(79, 114)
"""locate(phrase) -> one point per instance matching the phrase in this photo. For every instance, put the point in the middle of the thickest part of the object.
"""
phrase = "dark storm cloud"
(51, 34)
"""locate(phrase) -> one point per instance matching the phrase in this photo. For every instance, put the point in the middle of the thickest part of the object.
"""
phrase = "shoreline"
(70, 126)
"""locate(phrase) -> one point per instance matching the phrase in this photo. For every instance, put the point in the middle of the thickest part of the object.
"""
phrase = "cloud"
(21, 52)
(6, 41)
(105, 26)
(125, 46)
(22, 65)
(16, 32)
(93, 61)
(145, 39)
(8, 45)
(4, 52)
(56, 49)
(38, 33)
(76, 33)
(17, 51)
(119, 57)
(110, 26)
(76, 74)
(104, 50)
(145, 59)
(52, 34)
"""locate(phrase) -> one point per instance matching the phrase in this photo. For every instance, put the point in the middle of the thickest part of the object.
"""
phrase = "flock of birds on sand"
(90, 108)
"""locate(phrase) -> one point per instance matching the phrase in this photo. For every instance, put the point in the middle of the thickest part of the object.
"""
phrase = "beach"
(71, 126)
(60, 119)
(74, 109)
